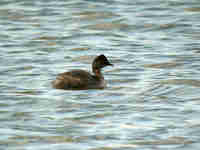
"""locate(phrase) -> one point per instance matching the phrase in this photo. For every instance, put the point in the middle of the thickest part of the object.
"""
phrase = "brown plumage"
(80, 79)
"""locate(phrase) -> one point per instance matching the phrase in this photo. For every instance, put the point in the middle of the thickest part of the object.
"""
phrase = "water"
(152, 99)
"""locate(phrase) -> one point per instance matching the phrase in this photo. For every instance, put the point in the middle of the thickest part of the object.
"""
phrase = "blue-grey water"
(152, 101)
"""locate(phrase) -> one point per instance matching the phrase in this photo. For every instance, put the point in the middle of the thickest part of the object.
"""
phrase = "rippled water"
(153, 96)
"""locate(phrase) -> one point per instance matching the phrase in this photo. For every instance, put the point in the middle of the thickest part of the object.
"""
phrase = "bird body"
(80, 79)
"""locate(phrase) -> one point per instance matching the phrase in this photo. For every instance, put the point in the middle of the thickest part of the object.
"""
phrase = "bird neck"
(98, 73)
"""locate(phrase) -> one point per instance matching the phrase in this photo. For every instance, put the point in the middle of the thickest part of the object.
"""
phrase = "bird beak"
(110, 64)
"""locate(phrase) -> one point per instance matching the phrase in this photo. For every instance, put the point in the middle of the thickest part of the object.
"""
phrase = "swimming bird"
(82, 80)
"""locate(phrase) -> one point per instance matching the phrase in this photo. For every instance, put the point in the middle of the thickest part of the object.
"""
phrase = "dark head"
(100, 62)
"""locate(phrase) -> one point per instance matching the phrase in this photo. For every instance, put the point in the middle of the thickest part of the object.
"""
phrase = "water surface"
(152, 98)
